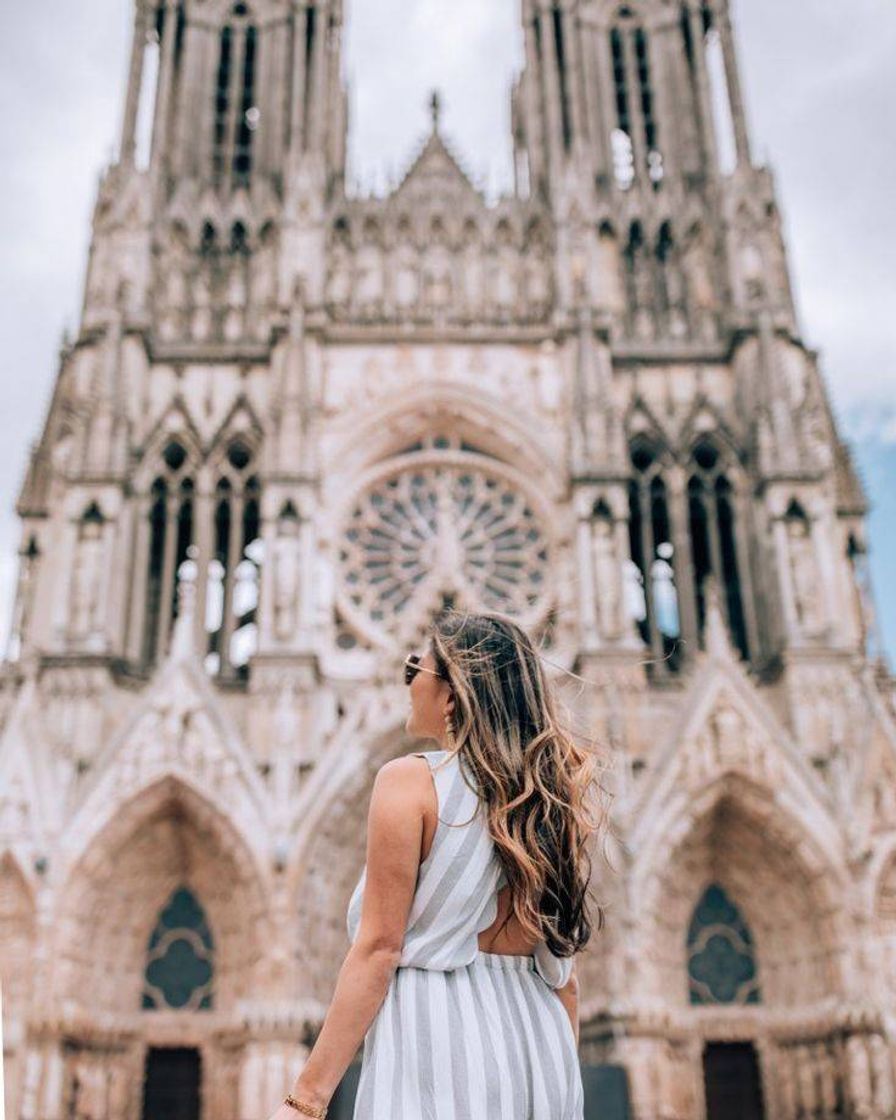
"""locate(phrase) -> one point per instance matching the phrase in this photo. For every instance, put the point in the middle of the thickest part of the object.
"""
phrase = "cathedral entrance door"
(731, 1077)
(171, 1084)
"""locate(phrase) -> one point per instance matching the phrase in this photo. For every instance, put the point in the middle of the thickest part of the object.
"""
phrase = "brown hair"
(538, 785)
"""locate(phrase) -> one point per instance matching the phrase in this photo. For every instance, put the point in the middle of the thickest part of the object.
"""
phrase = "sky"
(820, 92)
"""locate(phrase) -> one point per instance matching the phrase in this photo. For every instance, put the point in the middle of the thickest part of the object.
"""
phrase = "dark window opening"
(184, 539)
(619, 82)
(310, 29)
(685, 25)
(248, 116)
(652, 592)
(157, 519)
(651, 138)
(564, 85)
(730, 575)
(700, 557)
(732, 1082)
(222, 100)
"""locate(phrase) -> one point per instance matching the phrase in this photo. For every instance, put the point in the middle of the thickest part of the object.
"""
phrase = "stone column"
(605, 93)
(551, 84)
(572, 46)
(163, 90)
(704, 99)
(594, 111)
(127, 148)
(138, 566)
(297, 87)
(735, 96)
(636, 116)
(682, 563)
(203, 537)
(587, 605)
(317, 116)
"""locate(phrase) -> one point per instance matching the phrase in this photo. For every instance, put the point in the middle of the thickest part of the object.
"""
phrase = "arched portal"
(164, 845)
(754, 854)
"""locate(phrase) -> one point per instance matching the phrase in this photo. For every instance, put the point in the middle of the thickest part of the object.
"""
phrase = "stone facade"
(293, 425)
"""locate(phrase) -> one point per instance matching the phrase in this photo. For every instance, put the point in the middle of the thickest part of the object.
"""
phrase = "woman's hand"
(285, 1112)
(306, 1096)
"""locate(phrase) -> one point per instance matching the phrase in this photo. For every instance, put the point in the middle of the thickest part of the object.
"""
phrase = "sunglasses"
(412, 667)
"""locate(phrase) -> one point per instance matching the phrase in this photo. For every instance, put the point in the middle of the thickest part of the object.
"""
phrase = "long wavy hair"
(540, 788)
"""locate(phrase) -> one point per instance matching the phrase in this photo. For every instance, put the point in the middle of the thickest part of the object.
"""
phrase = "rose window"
(452, 528)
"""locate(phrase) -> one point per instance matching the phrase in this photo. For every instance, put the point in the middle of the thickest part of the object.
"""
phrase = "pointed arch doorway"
(732, 1083)
(171, 1083)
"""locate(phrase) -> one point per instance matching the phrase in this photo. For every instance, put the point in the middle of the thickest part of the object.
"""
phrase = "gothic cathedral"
(294, 424)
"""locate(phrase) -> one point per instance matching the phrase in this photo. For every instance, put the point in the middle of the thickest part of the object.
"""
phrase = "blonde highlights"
(539, 787)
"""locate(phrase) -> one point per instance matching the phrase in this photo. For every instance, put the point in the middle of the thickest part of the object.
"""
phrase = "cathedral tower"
(294, 424)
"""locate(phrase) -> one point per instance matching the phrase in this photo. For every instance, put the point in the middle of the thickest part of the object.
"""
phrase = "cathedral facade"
(294, 424)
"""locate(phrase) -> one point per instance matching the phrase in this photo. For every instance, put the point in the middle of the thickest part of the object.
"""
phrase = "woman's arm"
(569, 997)
(394, 835)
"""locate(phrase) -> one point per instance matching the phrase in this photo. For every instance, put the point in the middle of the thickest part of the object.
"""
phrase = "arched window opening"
(236, 116)
(222, 100)
(29, 558)
(247, 578)
(157, 523)
(652, 593)
(234, 569)
(633, 254)
(713, 532)
(857, 557)
(685, 25)
(208, 242)
(730, 577)
(721, 954)
(170, 522)
(239, 241)
(249, 115)
(184, 540)
(664, 255)
(565, 116)
(621, 139)
(179, 971)
(310, 36)
(651, 136)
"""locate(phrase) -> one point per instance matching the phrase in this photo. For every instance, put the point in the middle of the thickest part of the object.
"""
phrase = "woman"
(460, 979)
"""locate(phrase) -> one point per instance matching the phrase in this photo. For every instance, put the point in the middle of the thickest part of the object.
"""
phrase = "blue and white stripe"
(464, 1034)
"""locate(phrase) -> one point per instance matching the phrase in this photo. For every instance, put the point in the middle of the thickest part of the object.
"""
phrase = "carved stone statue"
(339, 280)
(807, 589)
(234, 317)
(287, 572)
(438, 277)
(369, 285)
(695, 261)
(607, 576)
(88, 1092)
(538, 282)
(505, 286)
(473, 264)
(262, 276)
(87, 578)
(202, 311)
(406, 277)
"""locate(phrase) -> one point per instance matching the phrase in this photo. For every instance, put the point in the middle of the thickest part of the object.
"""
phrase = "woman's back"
(456, 897)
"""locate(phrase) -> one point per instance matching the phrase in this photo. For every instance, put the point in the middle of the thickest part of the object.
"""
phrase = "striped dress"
(463, 1034)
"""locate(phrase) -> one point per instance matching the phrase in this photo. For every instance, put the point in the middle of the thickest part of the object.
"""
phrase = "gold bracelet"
(307, 1109)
